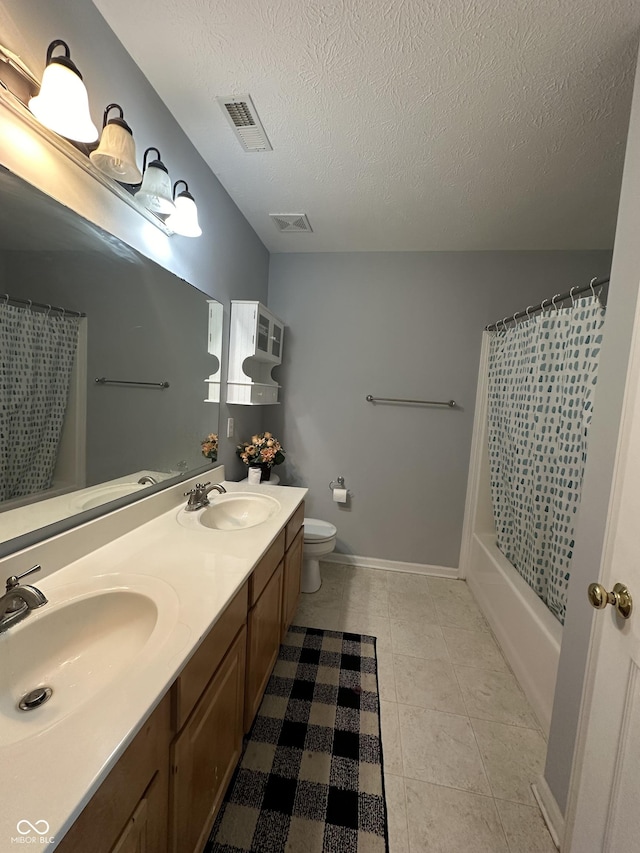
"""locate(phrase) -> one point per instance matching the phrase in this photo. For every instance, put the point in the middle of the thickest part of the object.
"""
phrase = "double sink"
(92, 631)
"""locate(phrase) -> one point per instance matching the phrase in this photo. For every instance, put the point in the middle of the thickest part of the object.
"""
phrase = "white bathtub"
(529, 634)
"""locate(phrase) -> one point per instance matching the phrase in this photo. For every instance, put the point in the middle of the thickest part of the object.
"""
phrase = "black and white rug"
(310, 778)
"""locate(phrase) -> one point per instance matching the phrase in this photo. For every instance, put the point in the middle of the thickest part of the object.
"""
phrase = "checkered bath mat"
(310, 778)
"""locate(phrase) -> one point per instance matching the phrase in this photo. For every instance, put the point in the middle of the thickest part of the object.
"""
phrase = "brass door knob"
(620, 598)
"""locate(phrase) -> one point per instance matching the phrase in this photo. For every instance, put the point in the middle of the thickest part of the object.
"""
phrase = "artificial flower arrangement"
(263, 449)
(209, 447)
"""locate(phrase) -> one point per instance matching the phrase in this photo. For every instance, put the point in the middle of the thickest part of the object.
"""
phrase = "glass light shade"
(155, 192)
(185, 220)
(116, 155)
(63, 104)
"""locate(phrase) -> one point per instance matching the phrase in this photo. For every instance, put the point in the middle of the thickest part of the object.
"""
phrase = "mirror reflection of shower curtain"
(37, 352)
(542, 377)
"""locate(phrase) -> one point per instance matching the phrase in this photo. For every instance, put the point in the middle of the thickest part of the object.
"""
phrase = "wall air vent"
(292, 223)
(243, 118)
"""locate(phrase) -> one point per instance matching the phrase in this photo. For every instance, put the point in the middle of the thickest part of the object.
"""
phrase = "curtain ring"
(48, 311)
(542, 305)
(515, 322)
(573, 301)
(553, 301)
(527, 311)
(593, 293)
(30, 303)
(504, 324)
(6, 298)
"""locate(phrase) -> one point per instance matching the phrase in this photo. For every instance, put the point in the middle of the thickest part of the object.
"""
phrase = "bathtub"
(528, 633)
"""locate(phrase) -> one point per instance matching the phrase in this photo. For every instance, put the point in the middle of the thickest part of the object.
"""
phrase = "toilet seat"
(316, 530)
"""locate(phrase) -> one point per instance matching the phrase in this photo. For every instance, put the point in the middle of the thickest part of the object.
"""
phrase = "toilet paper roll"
(340, 496)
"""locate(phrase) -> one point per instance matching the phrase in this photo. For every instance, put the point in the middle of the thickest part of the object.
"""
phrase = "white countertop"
(51, 776)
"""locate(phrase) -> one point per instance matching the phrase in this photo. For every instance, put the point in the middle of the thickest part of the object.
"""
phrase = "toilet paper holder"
(338, 483)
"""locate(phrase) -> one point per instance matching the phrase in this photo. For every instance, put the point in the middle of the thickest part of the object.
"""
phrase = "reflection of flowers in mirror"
(263, 449)
(209, 446)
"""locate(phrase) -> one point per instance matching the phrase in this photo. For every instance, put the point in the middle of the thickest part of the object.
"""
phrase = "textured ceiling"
(404, 125)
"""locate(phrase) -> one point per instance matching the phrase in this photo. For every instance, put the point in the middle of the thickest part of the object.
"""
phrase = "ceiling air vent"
(246, 125)
(291, 223)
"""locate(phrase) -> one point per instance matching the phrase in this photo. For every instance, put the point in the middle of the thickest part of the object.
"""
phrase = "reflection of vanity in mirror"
(152, 340)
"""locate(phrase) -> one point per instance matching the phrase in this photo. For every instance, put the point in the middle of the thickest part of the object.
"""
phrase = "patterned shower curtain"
(542, 377)
(37, 352)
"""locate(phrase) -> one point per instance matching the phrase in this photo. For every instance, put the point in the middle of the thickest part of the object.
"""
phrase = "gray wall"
(395, 325)
(603, 441)
(228, 261)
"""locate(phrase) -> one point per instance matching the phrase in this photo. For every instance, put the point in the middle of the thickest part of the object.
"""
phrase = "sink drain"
(35, 698)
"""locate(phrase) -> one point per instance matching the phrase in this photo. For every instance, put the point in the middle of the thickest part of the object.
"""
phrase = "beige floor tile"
(325, 616)
(525, 828)
(361, 622)
(494, 696)
(460, 612)
(329, 593)
(474, 648)
(333, 571)
(440, 748)
(360, 575)
(369, 599)
(390, 727)
(446, 588)
(418, 640)
(443, 820)
(428, 684)
(411, 607)
(386, 676)
(396, 814)
(408, 582)
(513, 758)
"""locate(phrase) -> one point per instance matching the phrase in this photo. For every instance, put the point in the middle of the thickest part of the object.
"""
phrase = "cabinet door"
(263, 643)
(147, 828)
(291, 585)
(263, 331)
(275, 339)
(205, 753)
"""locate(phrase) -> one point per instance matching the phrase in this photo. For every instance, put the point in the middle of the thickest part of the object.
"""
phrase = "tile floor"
(460, 742)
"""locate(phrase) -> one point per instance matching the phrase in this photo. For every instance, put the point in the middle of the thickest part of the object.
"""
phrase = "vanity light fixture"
(155, 190)
(116, 154)
(63, 103)
(185, 219)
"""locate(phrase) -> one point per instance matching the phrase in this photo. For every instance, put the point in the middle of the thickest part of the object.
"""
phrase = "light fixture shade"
(116, 154)
(155, 191)
(63, 104)
(185, 219)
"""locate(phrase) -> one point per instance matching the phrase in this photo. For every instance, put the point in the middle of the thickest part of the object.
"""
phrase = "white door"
(604, 806)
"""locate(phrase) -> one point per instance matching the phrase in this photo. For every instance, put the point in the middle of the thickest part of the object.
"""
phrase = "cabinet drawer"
(197, 673)
(265, 568)
(293, 525)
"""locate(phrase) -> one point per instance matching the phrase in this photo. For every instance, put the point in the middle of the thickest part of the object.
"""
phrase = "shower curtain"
(542, 378)
(37, 352)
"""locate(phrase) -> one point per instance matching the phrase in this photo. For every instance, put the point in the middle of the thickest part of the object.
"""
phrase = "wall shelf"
(255, 348)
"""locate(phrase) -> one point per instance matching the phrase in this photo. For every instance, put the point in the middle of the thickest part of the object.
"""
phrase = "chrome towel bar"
(104, 381)
(450, 403)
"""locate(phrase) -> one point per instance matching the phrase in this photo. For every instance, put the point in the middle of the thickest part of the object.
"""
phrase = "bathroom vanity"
(143, 762)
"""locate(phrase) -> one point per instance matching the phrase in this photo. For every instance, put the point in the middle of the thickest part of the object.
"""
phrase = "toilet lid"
(315, 530)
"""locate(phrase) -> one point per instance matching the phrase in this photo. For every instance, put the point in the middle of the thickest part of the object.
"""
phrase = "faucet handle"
(202, 486)
(14, 580)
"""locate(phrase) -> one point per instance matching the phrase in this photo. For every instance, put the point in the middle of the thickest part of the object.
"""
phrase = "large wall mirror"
(71, 445)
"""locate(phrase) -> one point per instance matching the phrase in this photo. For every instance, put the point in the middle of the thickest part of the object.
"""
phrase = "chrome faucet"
(198, 496)
(147, 480)
(18, 601)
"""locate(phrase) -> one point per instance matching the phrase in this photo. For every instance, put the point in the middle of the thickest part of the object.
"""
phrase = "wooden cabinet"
(255, 348)
(294, 544)
(129, 809)
(291, 581)
(263, 643)
(206, 751)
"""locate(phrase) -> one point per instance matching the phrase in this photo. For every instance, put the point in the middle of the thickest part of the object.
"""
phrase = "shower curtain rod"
(547, 303)
(31, 304)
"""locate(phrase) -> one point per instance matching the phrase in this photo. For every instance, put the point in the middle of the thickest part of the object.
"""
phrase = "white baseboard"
(392, 565)
(550, 810)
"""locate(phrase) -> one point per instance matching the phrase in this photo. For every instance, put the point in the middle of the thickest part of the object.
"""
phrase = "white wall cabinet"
(255, 348)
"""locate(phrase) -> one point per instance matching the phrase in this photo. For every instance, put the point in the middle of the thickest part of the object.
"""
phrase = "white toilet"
(319, 540)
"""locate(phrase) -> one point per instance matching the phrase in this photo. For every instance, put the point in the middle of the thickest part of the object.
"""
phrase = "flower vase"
(266, 472)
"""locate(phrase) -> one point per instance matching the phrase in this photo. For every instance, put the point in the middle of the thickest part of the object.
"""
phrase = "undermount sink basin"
(232, 511)
(78, 643)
